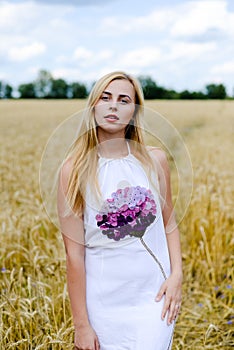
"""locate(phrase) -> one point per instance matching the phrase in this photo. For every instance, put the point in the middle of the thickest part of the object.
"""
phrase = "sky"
(180, 44)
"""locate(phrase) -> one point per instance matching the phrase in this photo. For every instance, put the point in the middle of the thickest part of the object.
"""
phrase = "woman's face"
(115, 107)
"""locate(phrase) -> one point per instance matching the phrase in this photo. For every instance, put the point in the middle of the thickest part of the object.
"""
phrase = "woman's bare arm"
(72, 230)
(173, 285)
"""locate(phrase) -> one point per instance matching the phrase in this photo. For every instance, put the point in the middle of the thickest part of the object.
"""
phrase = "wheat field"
(34, 305)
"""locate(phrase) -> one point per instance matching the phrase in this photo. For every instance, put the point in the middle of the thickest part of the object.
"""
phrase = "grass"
(34, 306)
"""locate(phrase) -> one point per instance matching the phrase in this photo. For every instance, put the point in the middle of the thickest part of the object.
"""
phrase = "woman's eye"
(123, 100)
(105, 98)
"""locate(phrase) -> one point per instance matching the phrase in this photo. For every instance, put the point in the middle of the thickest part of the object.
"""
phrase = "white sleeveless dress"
(126, 259)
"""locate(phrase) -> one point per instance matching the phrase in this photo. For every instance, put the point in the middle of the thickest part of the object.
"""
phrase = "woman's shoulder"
(66, 170)
(160, 161)
(157, 154)
(67, 166)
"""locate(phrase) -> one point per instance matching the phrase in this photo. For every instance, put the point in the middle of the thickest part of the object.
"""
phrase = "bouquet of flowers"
(129, 211)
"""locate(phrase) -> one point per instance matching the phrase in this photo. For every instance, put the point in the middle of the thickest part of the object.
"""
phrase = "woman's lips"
(111, 117)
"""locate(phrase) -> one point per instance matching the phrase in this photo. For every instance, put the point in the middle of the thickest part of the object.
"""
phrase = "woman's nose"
(113, 105)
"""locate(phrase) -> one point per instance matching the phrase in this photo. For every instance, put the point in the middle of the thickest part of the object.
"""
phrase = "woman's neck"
(113, 147)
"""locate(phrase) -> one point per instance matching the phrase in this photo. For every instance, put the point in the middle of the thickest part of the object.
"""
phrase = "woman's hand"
(86, 339)
(172, 288)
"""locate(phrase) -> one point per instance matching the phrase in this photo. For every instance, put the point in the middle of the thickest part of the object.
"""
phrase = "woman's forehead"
(121, 86)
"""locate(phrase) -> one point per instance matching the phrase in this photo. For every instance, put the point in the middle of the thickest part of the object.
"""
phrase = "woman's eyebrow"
(107, 92)
(124, 95)
(120, 95)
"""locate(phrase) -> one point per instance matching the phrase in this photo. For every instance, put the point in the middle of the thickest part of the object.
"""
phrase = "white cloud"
(85, 57)
(2, 75)
(30, 18)
(186, 19)
(62, 59)
(196, 17)
(81, 53)
(76, 3)
(58, 24)
(223, 68)
(8, 16)
(103, 55)
(67, 73)
(156, 20)
(27, 28)
(141, 58)
(17, 18)
(23, 53)
(190, 50)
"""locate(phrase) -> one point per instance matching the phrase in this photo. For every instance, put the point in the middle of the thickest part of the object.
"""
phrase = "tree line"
(45, 86)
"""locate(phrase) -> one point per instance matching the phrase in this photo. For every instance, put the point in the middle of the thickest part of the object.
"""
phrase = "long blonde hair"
(83, 152)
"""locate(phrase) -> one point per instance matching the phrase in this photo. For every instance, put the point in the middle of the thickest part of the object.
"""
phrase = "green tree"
(198, 95)
(192, 95)
(171, 95)
(43, 84)
(78, 90)
(216, 91)
(58, 89)
(1, 89)
(185, 95)
(27, 90)
(150, 89)
(8, 91)
(5, 90)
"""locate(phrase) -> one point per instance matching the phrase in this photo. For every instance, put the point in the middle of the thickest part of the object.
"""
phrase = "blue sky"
(180, 44)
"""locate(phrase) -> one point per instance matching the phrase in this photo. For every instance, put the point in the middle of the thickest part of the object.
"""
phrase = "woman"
(124, 270)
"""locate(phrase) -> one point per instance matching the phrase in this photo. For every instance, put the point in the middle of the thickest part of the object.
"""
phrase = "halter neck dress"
(126, 258)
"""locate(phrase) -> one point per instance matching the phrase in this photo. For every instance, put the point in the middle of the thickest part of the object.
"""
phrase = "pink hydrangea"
(129, 211)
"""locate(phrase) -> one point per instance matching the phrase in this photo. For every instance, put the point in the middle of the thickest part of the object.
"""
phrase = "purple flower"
(129, 211)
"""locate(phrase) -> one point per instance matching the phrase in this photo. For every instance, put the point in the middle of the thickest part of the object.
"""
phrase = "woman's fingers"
(173, 311)
(171, 307)
(97, 345)
(172, 299)
(166, 306)
(161, 292)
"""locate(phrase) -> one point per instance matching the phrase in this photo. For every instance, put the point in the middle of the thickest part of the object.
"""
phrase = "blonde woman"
(124, 270)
